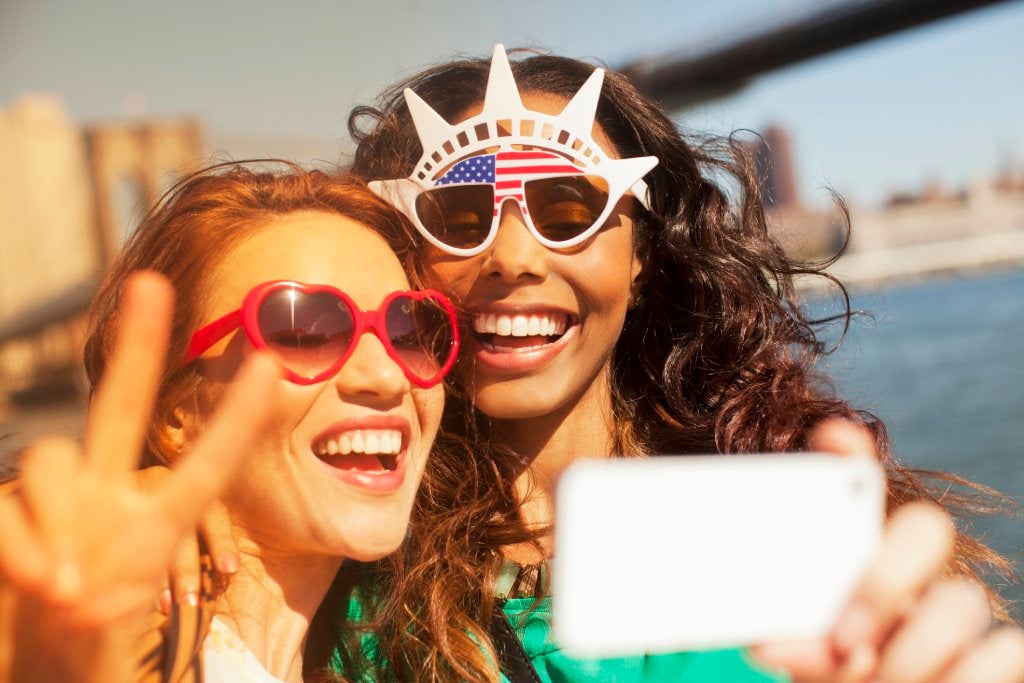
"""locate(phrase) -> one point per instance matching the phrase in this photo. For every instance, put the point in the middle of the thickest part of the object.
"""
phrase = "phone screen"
(701, 552)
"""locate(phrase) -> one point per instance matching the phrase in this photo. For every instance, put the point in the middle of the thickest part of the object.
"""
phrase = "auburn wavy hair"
(184, 237)
(721, 358)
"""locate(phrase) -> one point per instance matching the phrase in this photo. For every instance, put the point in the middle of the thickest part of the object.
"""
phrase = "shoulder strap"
(514, 661)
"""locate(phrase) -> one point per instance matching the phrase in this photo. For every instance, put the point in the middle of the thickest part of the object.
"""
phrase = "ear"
(638, 280)
(178, 430)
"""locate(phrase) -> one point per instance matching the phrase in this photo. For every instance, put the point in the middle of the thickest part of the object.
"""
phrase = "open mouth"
(506, 333)
(361, 450)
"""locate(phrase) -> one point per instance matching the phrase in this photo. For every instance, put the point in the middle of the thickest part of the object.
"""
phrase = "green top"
(554, 666)
(533, 626)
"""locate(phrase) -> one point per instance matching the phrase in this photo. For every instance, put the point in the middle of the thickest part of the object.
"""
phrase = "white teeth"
(521, 325)
(369, 441)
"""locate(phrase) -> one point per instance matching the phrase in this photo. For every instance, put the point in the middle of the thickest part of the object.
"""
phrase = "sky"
(939, 103)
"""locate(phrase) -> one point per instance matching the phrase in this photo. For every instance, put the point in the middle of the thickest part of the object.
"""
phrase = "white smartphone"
(677, 553)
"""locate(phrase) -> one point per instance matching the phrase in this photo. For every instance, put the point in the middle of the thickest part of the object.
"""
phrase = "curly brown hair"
(721, 358)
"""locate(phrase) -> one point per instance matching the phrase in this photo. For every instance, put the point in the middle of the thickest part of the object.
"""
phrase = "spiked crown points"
(506, 123)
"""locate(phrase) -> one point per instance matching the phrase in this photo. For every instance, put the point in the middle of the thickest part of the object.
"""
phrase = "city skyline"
(941, 102)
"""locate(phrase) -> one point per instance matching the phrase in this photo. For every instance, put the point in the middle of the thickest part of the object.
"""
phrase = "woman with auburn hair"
(301, 268)
(625, 299)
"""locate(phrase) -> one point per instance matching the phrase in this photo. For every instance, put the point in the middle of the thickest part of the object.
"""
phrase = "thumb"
(842, 437)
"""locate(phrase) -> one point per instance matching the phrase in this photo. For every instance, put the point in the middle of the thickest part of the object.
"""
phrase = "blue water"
(942, 364)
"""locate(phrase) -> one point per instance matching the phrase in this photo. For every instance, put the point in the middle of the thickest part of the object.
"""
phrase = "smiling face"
(545, 322)
(337, 471)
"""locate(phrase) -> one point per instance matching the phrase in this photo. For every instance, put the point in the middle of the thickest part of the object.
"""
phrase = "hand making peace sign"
(83, 549)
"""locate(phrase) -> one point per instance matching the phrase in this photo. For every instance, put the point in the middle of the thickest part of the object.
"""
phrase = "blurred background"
(911, 110)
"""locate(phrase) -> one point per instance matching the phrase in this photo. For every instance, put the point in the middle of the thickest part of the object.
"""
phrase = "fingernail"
(191, 599)
(165, 601)
(227, 564)
(857, 625)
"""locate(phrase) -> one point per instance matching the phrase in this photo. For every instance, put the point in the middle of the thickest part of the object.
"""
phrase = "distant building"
(804, 232)
(47, 241)
(935, 215)
(68, 197)
(131, 165)
(936, 232)
(774, 161)
(913, 234)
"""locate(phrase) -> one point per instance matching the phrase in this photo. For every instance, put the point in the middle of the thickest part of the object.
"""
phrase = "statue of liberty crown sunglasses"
(563, 182)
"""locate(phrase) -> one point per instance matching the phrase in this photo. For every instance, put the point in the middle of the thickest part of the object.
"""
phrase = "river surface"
(943, 364)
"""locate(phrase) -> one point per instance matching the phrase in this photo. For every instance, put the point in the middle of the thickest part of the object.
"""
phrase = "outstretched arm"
(83, 550)
(908, 622)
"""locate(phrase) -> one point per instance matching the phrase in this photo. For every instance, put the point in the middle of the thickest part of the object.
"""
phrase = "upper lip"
(370, 421)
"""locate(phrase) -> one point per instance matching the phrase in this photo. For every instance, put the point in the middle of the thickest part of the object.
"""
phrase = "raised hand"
(906, 623)
(84, 549)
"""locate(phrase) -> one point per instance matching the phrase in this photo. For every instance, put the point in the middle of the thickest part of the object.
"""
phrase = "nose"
(370, 375)
(515, 255)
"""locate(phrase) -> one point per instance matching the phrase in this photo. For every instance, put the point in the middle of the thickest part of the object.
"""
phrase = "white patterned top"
(226, 659)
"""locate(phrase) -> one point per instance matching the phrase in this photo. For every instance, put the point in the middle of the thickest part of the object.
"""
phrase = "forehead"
(315, 248)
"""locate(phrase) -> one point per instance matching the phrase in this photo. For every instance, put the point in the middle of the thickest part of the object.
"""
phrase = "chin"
(375, 550)
(371, 539)
(504, 401)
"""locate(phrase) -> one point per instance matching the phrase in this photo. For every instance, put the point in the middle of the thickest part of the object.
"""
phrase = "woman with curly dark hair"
(625, 299)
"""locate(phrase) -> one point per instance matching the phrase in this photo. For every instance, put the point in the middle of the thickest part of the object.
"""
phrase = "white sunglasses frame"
(622, 176)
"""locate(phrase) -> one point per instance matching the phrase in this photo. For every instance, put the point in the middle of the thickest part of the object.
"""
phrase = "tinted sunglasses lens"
(567, 206)
(421, 333)
(457, 215)
(307, 332)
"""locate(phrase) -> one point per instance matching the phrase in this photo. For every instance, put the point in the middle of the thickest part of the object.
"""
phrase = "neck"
(271, 601)
(549, 443)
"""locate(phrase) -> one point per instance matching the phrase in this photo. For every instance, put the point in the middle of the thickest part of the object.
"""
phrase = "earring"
(638, 301)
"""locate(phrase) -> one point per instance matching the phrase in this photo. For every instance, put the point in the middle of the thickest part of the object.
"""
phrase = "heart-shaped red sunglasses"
(313, 329)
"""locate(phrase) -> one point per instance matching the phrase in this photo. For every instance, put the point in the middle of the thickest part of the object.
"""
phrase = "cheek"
(278, 455)
(453, 276)
(604, 274)
(285, 431)
(429, 405)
